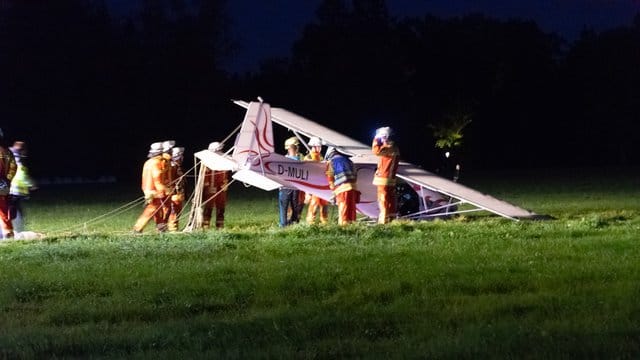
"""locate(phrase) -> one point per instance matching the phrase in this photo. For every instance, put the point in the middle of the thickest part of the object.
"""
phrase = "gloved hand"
(332, 200)
(177, 197)
(148, 197)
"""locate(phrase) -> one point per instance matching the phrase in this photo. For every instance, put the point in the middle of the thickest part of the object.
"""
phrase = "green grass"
(472, 287)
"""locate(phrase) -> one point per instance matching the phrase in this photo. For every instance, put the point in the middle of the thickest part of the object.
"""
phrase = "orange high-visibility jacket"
(155, 177)
(388, 159)
(313, 156)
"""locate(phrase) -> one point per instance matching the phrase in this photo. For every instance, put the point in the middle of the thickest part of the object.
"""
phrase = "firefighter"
(156, 189)
(176, 201)
(21, 186)
(8, 170)
(342, 178)
(167, 148)
(214, 192)
(385, 176)
(316, 204)
(289, 203)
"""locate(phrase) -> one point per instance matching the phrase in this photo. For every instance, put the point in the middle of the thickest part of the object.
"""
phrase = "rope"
(121, 209)
(109, 214)
(231, 134)
(219, 191)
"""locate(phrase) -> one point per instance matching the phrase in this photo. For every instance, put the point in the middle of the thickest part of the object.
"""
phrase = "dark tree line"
(89, 90)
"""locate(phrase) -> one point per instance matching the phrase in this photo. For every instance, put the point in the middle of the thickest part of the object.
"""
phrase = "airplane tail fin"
(255, 139)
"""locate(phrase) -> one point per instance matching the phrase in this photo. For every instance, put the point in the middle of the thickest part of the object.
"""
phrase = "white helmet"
(177, 152)
(332, 151)
(384, 132)
(315, 141)
(168, 145)
(155, 149)
(215, 146)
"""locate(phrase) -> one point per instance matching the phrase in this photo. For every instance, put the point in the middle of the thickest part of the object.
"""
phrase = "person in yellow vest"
(178, 186)
(8, 170)
(21, 186)
(342, 178)
(156, 189)
(385, 176)
(214, 192)
(314, 203)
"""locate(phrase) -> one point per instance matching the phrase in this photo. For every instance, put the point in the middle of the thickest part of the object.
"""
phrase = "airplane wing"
(415, 175)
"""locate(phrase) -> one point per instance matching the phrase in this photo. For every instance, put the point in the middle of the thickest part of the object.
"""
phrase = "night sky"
(268, 28)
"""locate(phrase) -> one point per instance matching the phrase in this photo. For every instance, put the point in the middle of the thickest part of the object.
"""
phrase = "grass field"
(473, 287)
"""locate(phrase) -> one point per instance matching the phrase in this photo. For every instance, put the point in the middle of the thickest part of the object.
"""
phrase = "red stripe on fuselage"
(264, 132)
(313, 186)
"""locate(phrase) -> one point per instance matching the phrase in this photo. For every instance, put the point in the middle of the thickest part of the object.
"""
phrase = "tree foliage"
(448, 134)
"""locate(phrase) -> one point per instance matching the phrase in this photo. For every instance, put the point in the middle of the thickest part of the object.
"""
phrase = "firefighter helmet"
(384, 132)
(155, 149)
(291, 141)
(315, 141)
(332, 151)
(177, 152)
(168, 145)
(215, 146)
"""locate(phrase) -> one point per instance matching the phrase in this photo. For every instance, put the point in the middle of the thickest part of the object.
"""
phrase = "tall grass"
(471, 287)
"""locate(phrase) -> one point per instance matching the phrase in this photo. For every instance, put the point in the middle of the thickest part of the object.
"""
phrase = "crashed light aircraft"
(421, 194)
